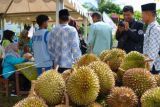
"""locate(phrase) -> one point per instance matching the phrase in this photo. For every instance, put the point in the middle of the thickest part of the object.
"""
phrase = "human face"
(146, 15)
(45, 24)
(128, 16)
(94, 18)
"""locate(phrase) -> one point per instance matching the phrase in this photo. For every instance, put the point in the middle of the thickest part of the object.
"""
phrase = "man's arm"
(50, 44)
(136, 36)
(91, 37)
(75, 48)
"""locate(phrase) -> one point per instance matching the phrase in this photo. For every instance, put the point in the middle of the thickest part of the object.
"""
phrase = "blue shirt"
(40, 49)
(8, 65)
(100, 37)
(64, 45)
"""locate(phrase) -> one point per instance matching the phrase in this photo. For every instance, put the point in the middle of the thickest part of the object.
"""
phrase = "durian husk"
(83, 86)
(151, 98)
(95, 104)
(51, 87)
(133, 59)
(31, 102)
(86, 60)
(66, 74)
(122, 97)
(114, 58)
(105, 75)
(157, 77)
(139, 80)
(103, 54)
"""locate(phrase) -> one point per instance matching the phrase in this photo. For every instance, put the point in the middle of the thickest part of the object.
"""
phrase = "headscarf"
(12, 50)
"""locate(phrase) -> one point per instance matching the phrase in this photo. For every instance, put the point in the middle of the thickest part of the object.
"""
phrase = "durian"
(86, 60)
(50, 86)
(122, 97)
(31, 102)
(151, 98)
(157, 77)
(132, 60)
(114, 58)
(105, 75)
(83, 86)
(103, 54)
(139, 80)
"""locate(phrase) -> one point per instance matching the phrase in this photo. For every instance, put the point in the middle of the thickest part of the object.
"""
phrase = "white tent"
(25, 11)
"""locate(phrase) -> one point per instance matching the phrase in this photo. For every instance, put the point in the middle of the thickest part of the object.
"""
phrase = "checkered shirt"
(64, 45)
(152, 44)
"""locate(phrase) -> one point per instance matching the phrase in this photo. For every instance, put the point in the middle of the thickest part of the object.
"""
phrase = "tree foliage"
(109, 7)
(158, 16)
(138, 15)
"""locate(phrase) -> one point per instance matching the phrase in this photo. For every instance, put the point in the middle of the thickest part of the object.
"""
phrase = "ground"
(8, 101)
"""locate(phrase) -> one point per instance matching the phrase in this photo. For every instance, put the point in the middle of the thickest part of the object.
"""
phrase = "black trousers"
(154, 71)
(25, 84)
(61, 70)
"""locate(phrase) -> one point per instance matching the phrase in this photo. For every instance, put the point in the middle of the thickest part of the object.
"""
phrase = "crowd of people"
(64, 45)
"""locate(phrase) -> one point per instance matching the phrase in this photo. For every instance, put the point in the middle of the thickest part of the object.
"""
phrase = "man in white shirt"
(152, 36)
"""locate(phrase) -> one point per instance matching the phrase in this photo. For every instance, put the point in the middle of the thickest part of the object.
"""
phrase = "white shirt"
(152, 44)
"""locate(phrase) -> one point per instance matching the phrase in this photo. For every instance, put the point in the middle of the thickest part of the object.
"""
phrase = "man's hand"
(126, 26)
(121, 29)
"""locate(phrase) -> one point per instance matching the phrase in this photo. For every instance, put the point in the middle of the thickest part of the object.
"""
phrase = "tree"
(158, 16)
(138, 15)
(109, 7)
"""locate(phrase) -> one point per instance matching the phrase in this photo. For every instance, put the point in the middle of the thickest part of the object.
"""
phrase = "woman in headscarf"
(11, 59)
(8, 36)
(24, 42)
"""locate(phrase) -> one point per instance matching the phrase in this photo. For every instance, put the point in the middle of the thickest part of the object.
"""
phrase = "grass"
(8, 101)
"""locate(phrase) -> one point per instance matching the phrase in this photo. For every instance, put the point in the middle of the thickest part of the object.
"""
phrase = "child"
(40, 49)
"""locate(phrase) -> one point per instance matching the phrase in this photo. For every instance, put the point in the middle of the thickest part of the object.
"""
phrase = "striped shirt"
(152, 44)
(64, 45)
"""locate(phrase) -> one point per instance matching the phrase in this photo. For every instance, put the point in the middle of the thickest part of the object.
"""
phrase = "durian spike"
(57, 67)
(121, 69)
(148, 60)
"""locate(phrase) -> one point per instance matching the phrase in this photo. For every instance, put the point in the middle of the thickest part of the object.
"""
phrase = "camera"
(121, 23)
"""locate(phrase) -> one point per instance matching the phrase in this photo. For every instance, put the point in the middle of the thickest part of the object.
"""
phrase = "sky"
(135, 3)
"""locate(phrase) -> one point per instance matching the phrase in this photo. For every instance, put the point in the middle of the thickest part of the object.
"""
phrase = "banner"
(109, 21)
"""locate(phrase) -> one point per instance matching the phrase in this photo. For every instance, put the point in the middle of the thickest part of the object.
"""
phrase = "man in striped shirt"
(64, 43)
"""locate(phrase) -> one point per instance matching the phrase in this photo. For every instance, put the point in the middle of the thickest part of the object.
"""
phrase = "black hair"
(98, 15)
(8, 35)
(128, 9)
(154, 13)
(41, 19)
(64, 15)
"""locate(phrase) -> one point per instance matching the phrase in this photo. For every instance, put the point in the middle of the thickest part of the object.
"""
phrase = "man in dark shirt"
(130, 34)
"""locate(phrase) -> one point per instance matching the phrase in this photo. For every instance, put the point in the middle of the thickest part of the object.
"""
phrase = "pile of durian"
(114, 79)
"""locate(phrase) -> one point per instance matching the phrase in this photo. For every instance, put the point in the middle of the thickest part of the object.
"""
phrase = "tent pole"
(59, 6)
(0, 22)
